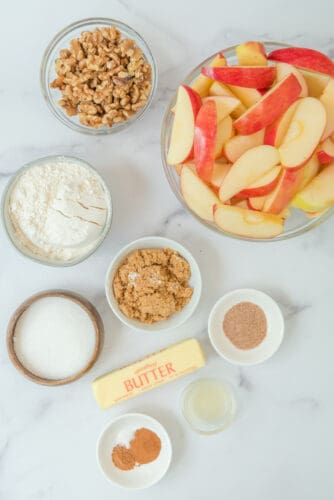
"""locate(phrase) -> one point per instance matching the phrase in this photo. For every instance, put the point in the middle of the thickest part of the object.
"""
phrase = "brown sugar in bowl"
(88, 308)
(195, 281)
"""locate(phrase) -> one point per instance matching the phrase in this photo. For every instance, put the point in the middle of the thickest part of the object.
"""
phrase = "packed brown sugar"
(151, 284)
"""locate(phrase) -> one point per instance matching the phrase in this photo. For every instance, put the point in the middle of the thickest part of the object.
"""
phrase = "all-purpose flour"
(58, 209)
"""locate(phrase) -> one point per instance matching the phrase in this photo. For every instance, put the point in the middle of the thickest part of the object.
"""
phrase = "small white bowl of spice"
(57, 210)
(134, 451)
(153, 284)
(246, 326)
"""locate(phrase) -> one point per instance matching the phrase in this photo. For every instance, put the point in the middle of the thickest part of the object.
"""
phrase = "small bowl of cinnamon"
(134, 451)
(246, 327)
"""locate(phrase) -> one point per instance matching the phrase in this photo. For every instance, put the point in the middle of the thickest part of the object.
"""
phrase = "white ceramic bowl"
(275, 327)
(195, 281)
(123, 427)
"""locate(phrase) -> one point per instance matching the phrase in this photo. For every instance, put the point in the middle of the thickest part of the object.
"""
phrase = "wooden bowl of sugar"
(54, 337)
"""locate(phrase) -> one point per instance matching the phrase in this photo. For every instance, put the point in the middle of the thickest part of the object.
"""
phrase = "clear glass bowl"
(296, 224)
(208, 405)
(48, 73)
(10, 231)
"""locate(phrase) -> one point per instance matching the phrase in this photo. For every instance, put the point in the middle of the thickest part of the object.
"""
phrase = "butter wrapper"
(147, 373)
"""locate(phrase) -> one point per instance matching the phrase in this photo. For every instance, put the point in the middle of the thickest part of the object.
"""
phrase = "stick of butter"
(148, 373)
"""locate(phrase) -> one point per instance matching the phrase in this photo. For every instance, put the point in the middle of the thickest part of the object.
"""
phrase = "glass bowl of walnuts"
(98, 76)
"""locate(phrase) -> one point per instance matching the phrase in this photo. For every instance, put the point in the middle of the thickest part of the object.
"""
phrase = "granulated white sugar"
(54, 338)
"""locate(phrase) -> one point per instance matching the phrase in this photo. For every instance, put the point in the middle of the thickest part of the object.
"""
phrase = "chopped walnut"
(103, 78)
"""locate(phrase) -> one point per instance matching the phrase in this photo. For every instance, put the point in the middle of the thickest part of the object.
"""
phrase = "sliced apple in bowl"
(210, 136)
(319, 193)
(304, 58)
(272, 105)
(247, 223)
(325, 152)
(257, 77)
(251, 54)
(202, 83)
(264, 185)
(188, 104)
(251, 166)
(239, 144)
(197, 194)
(304, 133)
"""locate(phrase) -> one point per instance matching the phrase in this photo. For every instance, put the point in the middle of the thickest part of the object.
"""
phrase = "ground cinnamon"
(144, 448)
(245, 325)
(123, 458)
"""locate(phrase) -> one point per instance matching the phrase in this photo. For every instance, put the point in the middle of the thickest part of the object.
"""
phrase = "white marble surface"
(281, 445)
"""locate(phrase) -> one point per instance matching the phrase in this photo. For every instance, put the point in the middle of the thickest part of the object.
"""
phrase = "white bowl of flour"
(57, 210)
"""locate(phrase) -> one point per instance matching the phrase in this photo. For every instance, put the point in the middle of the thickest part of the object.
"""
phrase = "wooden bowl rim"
(82, 302)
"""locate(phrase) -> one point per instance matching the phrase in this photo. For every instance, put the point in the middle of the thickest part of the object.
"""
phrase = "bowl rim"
(10, 185)
(312, 223)
(166, 438)
(86, 305)
(44, 84)
(164, 243)
(236, 292)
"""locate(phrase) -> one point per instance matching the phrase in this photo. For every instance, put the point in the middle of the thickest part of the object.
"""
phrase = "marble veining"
(279, 446)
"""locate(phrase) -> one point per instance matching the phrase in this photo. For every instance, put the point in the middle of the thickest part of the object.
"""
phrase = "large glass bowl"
(296, 224)
(48, 72)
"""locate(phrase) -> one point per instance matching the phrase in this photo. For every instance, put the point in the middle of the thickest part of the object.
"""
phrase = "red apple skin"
(285, 191)
(304, 58)
(205, 140)
(270, 107)
(272, 132)
(259, 191)
(243, 76)
(324, 157)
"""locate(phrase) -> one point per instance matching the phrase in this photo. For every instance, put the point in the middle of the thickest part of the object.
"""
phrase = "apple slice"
(327, 99)
(197, 195)
(251, 54)
(285, 190)
(224, 133)
(202, 83)
(284, 69)
(239, 144)
(310, 170)
(251, 166)
(275, 133)
(247, 96)
(319, 193)
(219, 89)
(304, 58)
(273, 104)
(219, 172)
(225, 105)
(247, 223)
(205, 142)
(316, 82)
(326, 152)
(188, 104)
(256, 203)
(210, 137)
(264, 185)
(304, 133)
(257, 77)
